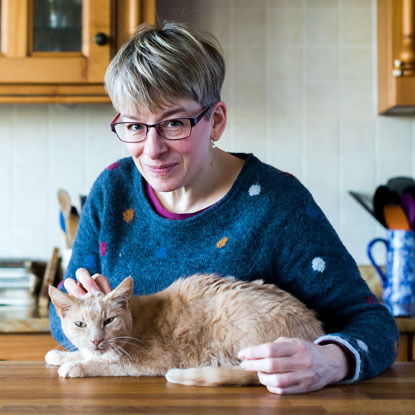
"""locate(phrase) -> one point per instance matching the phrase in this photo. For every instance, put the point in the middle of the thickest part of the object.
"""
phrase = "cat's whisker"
(121, 349)
(113, 348)
(134, 345)
(129, 337)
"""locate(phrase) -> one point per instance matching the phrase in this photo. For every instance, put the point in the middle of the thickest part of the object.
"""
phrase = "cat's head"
(94, 322)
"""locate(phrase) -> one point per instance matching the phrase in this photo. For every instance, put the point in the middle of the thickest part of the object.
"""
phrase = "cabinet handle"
(101, 39)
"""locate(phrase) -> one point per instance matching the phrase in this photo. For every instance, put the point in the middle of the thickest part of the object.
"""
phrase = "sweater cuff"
(344, 344)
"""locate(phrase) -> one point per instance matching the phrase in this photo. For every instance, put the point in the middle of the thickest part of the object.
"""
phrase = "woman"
(180, 205)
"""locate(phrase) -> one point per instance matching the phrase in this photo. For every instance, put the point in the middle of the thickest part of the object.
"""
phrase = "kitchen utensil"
(399, 184)
(65, 204)
(399, 280)
(408, 205)
(364, 200)
(72, 225)
(395, 217)
(70, 217)
(383, 196)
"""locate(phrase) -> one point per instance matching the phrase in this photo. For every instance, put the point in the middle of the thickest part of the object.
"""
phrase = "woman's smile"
(160, 170)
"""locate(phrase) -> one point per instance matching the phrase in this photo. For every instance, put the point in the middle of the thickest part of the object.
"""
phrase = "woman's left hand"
(291, 365)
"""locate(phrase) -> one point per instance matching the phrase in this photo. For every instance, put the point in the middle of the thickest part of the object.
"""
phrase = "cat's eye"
(80, 324)
(108, 321)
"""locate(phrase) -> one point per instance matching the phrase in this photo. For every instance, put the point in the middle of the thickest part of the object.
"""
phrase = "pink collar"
(163, 212)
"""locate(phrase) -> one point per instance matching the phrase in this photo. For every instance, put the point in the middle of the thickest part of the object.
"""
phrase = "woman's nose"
(155, 144)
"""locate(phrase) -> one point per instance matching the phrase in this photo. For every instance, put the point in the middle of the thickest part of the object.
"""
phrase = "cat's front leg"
(93, 368)
(58, 357)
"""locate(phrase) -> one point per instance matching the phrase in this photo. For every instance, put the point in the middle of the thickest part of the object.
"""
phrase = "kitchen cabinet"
(58, 50)
(396, 56)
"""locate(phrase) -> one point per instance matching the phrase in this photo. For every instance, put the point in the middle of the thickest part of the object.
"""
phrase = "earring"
(212, 142)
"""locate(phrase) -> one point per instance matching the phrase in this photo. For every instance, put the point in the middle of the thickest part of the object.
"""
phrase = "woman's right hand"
(87, 284)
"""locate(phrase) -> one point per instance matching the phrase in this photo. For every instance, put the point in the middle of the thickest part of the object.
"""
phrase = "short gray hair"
(165, 62)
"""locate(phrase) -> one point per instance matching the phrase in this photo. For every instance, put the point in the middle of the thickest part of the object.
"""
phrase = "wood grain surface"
(33, 388)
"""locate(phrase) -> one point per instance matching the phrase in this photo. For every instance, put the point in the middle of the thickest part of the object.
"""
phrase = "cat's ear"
(63, 302)
(122, 294)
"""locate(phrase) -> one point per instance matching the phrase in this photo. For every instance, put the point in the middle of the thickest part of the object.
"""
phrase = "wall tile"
(285, 99)
(356, 4)
(250, 102)
(356, 64)
(356, 27)
(248, 27)
(356, 101)
(284, 27)
(286, 134)
(285, 63)
(322, 135)
(322, 99)
(321, 27)
(285, 4)
(322, 4)
(248, 67)
(322, 63)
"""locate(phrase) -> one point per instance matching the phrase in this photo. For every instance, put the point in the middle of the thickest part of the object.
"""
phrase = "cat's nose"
(97, 341)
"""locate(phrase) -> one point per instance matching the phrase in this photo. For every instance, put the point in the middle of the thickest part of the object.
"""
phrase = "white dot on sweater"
(362, 345)
(254, 190)
(318, 264)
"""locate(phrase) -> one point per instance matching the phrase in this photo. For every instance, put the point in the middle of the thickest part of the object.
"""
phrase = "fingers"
(73, 288)
(102, 282)
(282, 347)
(288, 383)
(86, 283)
(280, 381)
(270, 365)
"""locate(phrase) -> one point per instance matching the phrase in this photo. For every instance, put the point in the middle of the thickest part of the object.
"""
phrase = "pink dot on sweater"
(371, 300)
(113, 166)
(103, 248)
(288, 174)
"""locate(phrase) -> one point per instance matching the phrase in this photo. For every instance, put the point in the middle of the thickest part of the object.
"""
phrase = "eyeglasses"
(173, 129)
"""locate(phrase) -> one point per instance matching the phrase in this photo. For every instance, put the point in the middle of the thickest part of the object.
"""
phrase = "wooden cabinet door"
(30, 74)
(21, 63)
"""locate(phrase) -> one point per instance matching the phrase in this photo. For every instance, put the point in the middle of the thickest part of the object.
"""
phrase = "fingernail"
(241, 355)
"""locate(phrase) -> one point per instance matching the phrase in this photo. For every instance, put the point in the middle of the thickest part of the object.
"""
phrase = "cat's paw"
(54, 357)
(72, 370)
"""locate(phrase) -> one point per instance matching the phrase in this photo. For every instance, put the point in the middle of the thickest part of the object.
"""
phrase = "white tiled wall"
(301, 94)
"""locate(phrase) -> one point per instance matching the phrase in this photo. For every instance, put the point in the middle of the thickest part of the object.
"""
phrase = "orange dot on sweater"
(128, 215)
(222, 242)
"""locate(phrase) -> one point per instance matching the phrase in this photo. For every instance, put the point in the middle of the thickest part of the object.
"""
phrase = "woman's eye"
(174, 123)
(108, 321)
(134, 127)
(80, 324)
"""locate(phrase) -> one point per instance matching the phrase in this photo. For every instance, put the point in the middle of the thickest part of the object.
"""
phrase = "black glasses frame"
(193, 122)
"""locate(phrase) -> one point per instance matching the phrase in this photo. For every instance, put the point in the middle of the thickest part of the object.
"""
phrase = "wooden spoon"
(395, 217)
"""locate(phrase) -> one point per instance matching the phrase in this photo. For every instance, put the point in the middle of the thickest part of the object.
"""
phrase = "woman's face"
(169, 165)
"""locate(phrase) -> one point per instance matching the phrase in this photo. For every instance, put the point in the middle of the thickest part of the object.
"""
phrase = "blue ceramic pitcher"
(399, 280)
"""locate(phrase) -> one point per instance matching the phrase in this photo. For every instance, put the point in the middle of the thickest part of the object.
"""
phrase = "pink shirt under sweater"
(163, 212)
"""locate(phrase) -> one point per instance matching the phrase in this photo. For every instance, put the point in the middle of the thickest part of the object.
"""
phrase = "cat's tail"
(213, 376)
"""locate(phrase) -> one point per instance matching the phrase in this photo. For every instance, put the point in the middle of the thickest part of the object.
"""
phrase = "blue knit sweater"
(267, 227)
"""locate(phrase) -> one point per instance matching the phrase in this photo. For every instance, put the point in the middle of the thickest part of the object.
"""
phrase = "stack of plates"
(17, 283)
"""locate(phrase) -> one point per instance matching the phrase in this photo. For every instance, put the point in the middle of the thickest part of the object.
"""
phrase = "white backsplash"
(301, 94)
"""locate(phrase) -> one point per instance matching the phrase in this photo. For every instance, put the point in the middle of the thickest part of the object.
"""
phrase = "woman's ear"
(218, 118)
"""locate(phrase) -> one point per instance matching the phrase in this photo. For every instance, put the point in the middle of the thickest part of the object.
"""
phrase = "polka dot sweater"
(266, 227)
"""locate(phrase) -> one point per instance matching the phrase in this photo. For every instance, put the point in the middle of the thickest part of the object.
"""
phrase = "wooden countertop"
(32, 387)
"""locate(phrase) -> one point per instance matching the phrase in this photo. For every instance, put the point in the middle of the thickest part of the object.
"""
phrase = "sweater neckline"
(153, 216)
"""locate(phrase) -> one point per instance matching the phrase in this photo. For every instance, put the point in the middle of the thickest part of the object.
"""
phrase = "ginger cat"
(191, 332)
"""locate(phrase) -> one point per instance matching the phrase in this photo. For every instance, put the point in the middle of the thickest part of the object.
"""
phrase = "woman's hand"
(291, 365)
(85, 283)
